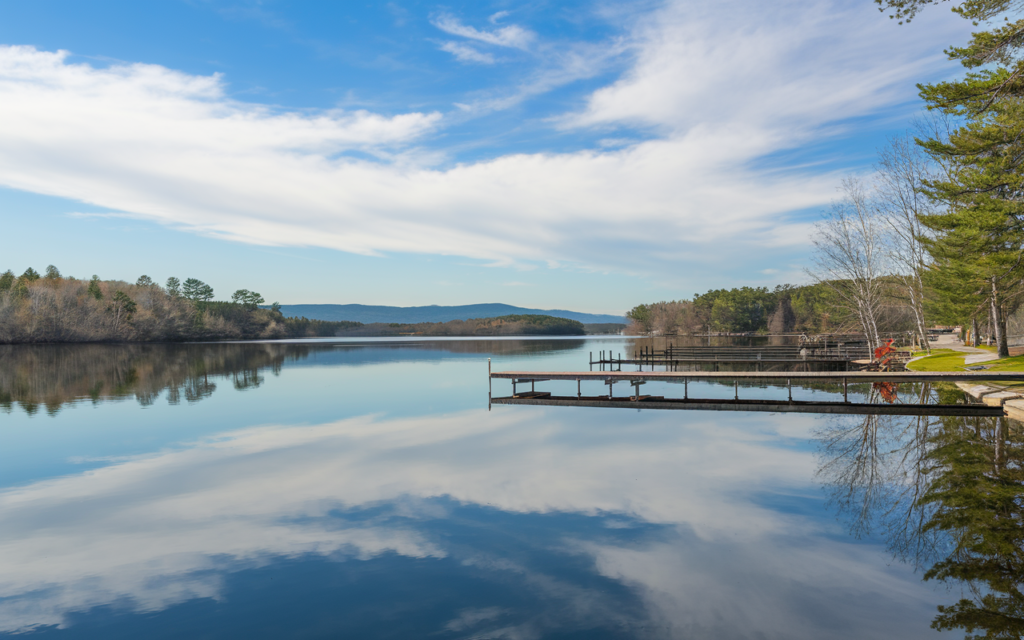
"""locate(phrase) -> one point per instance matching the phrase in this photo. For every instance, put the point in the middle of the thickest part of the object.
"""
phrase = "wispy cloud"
(466, 53)
(512, 36)
(715, 87)
(105, 214)
(560, 66)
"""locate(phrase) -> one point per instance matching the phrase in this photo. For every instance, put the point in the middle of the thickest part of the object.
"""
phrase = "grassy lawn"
(940, 360)
(1015, 363)
(949, 360)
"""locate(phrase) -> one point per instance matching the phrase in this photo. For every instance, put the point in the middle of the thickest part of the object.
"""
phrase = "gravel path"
(951, 341)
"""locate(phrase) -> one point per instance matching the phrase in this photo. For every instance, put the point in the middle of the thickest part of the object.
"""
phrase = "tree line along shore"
(54, 308)
(935, 237)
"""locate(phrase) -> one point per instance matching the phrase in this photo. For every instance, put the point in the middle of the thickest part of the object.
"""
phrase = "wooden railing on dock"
(638, 400)
(672, 357)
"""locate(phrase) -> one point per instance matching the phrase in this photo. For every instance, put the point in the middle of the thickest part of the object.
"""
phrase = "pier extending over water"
(809, 356)
(636, 399)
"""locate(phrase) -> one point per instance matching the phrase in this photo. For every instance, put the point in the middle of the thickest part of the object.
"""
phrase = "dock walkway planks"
(852, 377)
(637, 378)
(772, 406)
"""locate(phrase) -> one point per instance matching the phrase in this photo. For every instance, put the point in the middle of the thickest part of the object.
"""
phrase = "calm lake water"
(364, 490)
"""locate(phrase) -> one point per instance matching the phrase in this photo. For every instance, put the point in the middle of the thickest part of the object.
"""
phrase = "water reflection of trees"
(36, 377)
(947, 495)
(49, 376)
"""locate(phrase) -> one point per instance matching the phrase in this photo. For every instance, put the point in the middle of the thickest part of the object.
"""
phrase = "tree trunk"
(914, 288)
(988, 333)
(999, 323)
(974, 331)
(999, 445)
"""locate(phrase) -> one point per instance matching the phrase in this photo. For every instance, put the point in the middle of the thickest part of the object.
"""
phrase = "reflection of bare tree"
(947, 494)
(52, 375)
(247, 379)
(873, 471)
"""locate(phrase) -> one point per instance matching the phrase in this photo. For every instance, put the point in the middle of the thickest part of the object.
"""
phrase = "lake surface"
(363, 489)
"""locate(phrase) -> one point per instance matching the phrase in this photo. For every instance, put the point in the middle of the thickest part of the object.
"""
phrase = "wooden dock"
(637, 400)
(770, 406)
(834, 376)
(671, 358)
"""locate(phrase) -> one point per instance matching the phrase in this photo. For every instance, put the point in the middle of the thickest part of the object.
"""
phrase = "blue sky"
(589, 156)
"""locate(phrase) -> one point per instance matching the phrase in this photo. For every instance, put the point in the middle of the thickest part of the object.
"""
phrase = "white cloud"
(718, 85)
(466, 53)
(774, 70)
(512, 36)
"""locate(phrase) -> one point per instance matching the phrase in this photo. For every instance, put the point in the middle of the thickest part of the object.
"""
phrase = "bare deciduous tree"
(901, 171)
(851, 256)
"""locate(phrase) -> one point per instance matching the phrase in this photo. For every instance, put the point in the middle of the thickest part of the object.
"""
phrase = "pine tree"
(94, 288)
(197, 290)
(6, 280)
(978, 238)
(30, 275)
(977, 248)
(20, 289)
(173, 286)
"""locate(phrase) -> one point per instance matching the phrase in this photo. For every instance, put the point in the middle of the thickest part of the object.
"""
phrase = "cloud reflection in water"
(674, 511)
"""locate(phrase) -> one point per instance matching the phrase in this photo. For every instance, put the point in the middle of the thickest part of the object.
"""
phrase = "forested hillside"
(53, 308)
(38, 308)
(512, 325)
(377, 314)
(784, 309)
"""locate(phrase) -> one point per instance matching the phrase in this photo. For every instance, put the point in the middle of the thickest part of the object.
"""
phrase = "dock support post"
(591, 360)
(579, 391)
(686, 388)
(789, 383)
(489, 384)
(736, 388)
(845, 398)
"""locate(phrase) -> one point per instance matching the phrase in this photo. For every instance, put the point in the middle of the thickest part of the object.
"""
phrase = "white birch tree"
(851, 256)
(901, 171)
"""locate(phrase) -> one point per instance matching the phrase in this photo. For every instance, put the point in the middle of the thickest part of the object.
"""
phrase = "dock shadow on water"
(363, 490)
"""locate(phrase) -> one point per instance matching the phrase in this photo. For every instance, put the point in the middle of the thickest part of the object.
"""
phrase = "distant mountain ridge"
(372, 313)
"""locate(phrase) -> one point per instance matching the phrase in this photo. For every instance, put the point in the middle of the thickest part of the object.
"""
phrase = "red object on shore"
(884, 350)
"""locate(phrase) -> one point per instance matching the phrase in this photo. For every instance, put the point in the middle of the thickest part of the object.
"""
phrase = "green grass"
(940, 360)
(1016, 363)
(949, 360)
